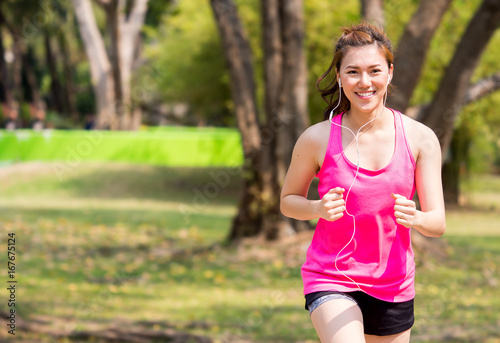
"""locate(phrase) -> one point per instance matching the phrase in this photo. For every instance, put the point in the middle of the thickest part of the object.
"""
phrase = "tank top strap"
(333, 150)
(335, 134)
(402, 148)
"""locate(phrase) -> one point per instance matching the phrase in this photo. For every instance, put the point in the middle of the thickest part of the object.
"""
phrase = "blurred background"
(143, 145)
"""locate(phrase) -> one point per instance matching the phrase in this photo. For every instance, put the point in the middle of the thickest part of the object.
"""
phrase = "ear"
(391, 73)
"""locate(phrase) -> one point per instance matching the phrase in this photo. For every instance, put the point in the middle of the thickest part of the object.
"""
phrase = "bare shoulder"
(314, 141)
(413, 127)
(316, 133)
(421, 138)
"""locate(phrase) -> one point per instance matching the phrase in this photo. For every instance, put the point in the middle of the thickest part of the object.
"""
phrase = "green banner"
(168, 146)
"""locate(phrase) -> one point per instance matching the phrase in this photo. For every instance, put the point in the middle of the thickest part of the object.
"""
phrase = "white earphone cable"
(356, 136)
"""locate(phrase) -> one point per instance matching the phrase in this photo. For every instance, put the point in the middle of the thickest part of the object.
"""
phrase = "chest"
(376, 149)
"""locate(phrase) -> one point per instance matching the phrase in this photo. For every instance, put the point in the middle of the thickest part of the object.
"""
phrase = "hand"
(332, 206)
(405, 211)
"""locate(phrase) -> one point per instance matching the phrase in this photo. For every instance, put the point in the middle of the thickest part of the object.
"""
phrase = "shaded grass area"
(481, 192)
(103, 245)
(196, 186)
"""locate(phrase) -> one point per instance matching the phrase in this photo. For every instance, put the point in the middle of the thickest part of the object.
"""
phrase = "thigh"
(403, 337)
(338, 321)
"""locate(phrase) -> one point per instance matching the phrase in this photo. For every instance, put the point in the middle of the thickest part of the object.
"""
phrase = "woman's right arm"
(303, 168)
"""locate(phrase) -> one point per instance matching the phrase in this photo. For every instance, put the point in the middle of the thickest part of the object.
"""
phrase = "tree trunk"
(292, 102)
(3, 67)
(412, 50)
(69, 89)
(455, 163)
(267, 148)
(21, 31)
(15, 75)
(100, 67)
(449, 99)
(55, 84)
(112, 9)
(273, 106)
(131, 41)
(124, 29)
(239, 59)
(248, 221)
(34, 91)
(5, 91)
(286, 91)
(373, 11)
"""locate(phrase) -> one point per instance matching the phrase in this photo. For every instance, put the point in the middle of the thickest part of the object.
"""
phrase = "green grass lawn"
(117, 242)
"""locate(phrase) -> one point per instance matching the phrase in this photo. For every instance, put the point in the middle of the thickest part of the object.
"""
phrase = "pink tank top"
(380, 257)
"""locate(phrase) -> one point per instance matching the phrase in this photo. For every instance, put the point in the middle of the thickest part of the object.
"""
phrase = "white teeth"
(366, 94)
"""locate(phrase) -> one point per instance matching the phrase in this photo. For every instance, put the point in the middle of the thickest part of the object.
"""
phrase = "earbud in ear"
(388, 80)
(340, 83)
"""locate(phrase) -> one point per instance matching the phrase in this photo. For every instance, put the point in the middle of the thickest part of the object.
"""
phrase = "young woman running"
(359, 272)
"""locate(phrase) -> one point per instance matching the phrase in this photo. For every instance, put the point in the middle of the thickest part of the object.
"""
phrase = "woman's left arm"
(430, 221)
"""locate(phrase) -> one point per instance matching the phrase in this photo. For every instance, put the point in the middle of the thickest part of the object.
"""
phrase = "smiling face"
(364, 74)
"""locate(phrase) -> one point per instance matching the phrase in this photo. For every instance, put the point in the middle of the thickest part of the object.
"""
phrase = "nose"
(364, 80)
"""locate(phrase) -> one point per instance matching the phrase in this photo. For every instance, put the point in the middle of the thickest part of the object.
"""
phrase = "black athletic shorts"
(381, 318)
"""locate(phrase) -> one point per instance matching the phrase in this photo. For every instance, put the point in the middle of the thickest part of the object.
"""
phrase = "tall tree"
(62, 47)
(21, 34)
(285, 74)
(267, 146)
(442, 112)
(5, 91)
(33, 88)
(33, 26)
(100, 67)
(67, 48)
(412, 50)
(55, 84)
(111, 73)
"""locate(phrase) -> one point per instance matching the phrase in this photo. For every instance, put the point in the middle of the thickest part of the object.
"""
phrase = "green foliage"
(24, 112)
(397, 14)
(188, 52)
(61, 122)
(85, 101)
(156, 10)
(33, 21)
(442, 48)
(480, 117)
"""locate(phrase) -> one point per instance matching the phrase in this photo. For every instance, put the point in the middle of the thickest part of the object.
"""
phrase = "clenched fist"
(405, 211)
(332, 205)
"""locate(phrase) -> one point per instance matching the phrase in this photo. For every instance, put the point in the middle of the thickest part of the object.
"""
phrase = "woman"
(359, 272)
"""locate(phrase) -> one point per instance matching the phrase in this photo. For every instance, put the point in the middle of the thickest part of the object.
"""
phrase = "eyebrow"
(356, 67)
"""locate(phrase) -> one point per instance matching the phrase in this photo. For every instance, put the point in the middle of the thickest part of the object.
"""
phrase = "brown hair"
(354, 36)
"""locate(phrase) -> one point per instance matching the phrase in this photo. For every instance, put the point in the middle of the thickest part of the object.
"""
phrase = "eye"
(351, 72)
(376, 71)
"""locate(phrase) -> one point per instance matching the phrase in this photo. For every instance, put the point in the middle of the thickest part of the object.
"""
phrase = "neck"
(375, 119)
